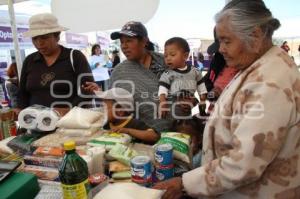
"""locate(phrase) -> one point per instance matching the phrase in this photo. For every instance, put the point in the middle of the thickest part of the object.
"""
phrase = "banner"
(6, 35)
(77, 39)
(6, 38)
(104, 42)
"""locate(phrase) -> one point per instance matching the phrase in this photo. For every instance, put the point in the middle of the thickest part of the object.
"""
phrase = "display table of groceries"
(78, 159)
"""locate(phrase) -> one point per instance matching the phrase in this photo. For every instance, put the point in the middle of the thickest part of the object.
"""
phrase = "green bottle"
(73, 174)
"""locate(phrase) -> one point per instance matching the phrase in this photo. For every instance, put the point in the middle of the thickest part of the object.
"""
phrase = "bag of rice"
(128, 191)
(181, 143)
(116, 166)
(122, 153)
(121, 175)
(80, 118)
(109, 139)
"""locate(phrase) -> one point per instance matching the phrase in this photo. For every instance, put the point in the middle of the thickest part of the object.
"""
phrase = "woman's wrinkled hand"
(173, 188)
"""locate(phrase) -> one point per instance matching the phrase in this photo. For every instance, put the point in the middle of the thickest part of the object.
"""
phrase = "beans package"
(110, 139)
(181, 144)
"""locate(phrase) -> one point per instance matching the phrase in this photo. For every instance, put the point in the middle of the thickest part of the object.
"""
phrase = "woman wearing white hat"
(51, 76)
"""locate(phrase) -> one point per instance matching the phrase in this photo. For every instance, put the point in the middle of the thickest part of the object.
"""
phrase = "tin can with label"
(164, 172)
(141, 170)
(164, 154)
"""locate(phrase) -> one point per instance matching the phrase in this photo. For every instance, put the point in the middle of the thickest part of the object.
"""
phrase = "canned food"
(164, 154)
(164, 173)
(141, 170)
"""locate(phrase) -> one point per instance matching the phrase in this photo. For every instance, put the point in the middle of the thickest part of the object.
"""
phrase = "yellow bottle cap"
(69, 145)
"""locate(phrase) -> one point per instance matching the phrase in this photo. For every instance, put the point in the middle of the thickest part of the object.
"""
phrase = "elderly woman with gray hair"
(251, 145)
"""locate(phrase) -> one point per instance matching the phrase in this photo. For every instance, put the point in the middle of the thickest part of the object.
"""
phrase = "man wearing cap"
(49, 76)
(140, 73)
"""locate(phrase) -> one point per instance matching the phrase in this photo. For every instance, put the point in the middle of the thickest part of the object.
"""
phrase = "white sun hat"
(42, 24)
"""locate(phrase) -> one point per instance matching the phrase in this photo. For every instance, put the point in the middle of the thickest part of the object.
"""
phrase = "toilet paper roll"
(47, 120)
(27, 118)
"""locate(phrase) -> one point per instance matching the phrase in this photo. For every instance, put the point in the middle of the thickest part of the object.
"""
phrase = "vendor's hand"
(120, 130)
(62, 111)
(90, 87)
(173, 188)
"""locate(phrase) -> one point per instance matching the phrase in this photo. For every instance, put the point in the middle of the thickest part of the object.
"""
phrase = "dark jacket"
(216, 66)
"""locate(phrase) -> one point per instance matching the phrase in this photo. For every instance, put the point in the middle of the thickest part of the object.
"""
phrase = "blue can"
(164, 154)
(141, 170)
(164, 173)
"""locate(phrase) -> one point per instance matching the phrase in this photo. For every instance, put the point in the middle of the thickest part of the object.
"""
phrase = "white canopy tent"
(126, 9)
(11, 10)
(100, 15)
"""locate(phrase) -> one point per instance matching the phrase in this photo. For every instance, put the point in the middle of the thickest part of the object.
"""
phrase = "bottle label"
(76, 191)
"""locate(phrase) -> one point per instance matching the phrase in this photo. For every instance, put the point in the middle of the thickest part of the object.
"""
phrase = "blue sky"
(195, 18)
(192, 18)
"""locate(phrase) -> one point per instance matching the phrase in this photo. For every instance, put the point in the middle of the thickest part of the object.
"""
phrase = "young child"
(193, 128)
(119, 104)
(179, 76)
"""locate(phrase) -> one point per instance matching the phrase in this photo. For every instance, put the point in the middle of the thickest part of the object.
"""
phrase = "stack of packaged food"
(44, 162)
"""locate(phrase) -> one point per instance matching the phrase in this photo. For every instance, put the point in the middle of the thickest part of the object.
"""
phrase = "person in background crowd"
(12, 84)
(178, 77)
(97, 60)
(200, 61)
(115, 58)
(190, 61)
(251, 143)
(285, 46)
(49, 76)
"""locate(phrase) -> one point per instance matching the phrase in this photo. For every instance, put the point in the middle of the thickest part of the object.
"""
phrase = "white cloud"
(29, 7)
(289, 28)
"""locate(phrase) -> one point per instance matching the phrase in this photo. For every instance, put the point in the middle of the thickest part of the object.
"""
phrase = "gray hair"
(245, 15)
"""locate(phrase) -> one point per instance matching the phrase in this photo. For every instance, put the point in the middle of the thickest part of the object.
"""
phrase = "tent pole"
(15, 35)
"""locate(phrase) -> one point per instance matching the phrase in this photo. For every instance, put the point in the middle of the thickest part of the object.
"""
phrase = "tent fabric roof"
(5, 2)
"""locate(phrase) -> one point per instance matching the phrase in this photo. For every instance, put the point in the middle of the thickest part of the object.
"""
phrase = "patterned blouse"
(251, 144)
